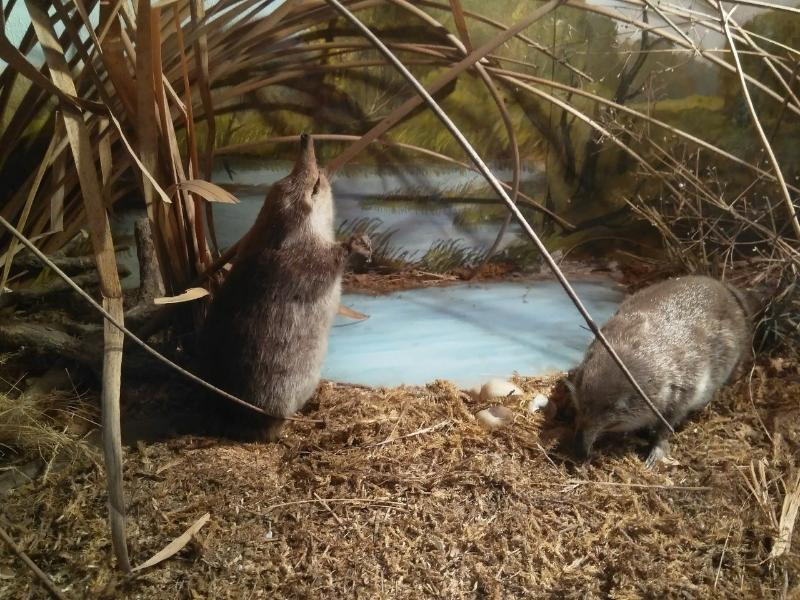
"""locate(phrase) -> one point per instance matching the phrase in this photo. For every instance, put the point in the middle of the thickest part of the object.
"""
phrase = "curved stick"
(498, 188)
(462, 45)
(787, 197)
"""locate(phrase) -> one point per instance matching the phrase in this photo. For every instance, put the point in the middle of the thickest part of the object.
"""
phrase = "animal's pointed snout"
(582, 445)
(307, 160)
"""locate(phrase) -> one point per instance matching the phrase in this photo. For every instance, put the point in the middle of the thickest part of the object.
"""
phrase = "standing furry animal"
(266, 333)
(682, 340)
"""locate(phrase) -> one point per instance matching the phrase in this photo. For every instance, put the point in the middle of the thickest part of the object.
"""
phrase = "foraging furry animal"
(682, 340)
(266, 333)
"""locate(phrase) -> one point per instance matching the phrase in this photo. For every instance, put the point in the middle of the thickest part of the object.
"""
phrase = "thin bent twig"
(498, 188)
(787, 198)
(421, 431)
(110, 318)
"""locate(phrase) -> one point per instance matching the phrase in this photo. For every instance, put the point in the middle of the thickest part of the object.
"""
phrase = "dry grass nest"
(41, 424)
(401, 493)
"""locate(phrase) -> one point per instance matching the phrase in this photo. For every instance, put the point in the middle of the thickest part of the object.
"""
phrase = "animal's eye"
(626, 402)
(316, 188)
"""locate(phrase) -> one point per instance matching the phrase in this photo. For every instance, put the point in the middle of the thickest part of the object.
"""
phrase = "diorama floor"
(401, 493)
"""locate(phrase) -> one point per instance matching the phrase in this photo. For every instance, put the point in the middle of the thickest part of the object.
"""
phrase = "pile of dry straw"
(400, 493)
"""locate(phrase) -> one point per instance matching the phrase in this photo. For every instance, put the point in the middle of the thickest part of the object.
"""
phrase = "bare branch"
(787, 198)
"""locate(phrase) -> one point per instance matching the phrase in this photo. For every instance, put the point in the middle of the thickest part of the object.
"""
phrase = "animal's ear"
(624, 403)
(321, 183)
(571, 377)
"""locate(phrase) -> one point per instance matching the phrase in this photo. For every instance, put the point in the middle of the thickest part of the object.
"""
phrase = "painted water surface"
(367, 194)
(465, 333)
(415, 225)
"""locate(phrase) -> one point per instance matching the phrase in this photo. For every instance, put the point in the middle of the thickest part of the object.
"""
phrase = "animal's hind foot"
(241, 424)
(255, 429)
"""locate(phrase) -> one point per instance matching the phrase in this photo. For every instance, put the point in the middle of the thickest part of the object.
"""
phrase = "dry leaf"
(210, 191)
(348, 312)
(187, 296)
(791, 506)
(175, 545)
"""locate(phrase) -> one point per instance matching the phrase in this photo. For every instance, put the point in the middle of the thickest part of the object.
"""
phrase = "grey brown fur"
(682, 339)
(266, 333)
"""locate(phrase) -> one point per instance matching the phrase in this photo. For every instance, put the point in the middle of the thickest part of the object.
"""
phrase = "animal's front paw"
(360, 244)
(658, 453)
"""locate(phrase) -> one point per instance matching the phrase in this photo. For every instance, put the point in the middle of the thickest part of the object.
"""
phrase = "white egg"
(494, 416)
(498, 388)
(537, 403)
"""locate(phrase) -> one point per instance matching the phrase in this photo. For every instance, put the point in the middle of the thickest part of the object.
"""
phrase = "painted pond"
(465, 333)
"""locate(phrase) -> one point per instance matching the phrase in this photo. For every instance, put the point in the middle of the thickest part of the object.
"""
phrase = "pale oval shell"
(538, 403)
(494, 416)
(498, 388)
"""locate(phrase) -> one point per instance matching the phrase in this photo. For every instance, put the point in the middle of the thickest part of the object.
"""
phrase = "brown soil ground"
(400, 493)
